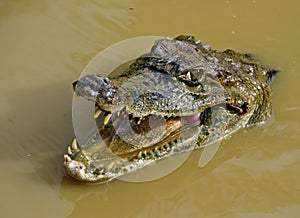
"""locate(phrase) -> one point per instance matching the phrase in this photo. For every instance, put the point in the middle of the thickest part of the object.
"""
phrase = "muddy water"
(45, 46)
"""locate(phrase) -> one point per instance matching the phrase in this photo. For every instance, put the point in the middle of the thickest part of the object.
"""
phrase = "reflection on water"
(44, 47)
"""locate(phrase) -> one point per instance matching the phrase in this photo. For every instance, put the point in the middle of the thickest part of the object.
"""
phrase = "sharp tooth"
(74, 144)
(106, 118)
(101, 171)
(67, 158)
(97, 113)
(110, 166)
(69, 151)
(188, 76)
(139, 121)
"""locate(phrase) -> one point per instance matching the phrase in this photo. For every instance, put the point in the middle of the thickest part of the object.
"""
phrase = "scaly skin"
(202, 95)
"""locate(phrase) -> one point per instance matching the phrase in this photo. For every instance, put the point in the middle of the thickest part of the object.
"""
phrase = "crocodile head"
(180, 96)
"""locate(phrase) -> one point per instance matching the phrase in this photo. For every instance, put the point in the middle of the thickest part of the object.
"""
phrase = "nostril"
(106, 81)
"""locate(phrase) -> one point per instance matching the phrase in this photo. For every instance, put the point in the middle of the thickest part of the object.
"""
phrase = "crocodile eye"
(189, 77)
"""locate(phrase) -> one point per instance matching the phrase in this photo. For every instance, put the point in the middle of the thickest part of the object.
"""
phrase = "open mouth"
(134, 141)
(135, 138)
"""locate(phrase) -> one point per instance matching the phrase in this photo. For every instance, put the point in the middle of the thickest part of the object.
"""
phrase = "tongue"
(191, 120)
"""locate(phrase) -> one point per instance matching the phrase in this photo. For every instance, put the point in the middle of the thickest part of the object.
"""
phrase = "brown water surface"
(44, 46)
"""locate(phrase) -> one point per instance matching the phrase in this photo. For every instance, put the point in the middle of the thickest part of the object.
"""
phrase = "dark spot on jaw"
(219, 74)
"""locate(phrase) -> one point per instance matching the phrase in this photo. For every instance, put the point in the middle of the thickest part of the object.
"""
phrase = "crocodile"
(180, 96)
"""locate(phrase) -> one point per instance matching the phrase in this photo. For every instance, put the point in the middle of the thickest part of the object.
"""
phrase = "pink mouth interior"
(192, 119)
